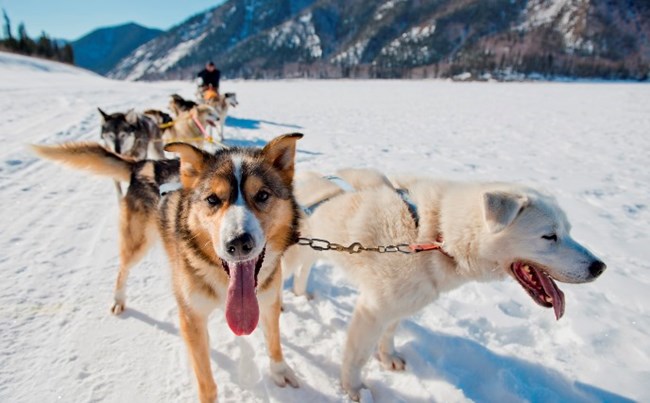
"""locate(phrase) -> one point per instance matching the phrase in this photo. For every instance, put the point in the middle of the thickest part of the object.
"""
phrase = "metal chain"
(355, 247)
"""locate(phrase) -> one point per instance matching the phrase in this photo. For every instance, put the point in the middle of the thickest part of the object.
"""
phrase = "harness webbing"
(347, 188)
(356, 247)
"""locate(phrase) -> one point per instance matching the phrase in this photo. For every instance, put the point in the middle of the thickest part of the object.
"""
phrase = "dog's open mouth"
(540, 286)
(242, 310)
(211, 122)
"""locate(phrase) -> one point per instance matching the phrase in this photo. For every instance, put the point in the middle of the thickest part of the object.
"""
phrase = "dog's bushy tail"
(90, 157)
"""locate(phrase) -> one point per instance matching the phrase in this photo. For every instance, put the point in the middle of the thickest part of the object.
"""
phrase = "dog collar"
(169, 187)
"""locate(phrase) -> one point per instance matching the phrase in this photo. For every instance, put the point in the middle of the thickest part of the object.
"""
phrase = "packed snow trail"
(586, 143)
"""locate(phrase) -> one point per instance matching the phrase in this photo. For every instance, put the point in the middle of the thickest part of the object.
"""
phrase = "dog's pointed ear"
(281, 153)
(131, 116)
(192, 162)
(105, 115)
(501, 209)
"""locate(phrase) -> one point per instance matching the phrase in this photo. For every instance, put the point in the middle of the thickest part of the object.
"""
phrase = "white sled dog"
(222, 104)
(488, 231)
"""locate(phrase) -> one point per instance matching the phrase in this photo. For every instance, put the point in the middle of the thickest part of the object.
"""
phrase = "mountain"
(103, 48)
(404, 38)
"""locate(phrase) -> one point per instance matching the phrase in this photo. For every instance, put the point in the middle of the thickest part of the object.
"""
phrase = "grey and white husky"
(131, 135)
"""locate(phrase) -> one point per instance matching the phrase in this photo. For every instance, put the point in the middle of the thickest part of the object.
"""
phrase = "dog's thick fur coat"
(224, 232)
(490, 231)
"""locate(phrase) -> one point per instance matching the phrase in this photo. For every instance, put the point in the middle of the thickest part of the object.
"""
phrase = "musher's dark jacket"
(210, 78)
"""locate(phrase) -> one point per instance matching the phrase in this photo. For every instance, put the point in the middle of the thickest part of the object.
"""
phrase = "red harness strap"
(423, 247)
(201, 128)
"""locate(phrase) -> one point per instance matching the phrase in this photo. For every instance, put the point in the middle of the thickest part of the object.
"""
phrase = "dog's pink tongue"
(242, 311)
(555, 293)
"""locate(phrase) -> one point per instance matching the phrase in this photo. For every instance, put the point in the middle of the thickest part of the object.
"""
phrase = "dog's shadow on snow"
(170, 328)
(483, 375)
(260, 143)
(254, 124)
(226, 363)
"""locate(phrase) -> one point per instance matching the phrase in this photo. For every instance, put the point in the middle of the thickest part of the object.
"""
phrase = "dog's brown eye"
(550, 237)
(213, 200)
(262, 196)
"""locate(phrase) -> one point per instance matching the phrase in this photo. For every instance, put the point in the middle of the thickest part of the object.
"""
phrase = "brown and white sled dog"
(224, 231)
(490, 231)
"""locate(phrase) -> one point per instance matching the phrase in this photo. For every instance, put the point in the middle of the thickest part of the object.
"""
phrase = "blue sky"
(71, 19)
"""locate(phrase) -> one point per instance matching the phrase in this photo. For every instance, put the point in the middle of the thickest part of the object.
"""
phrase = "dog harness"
(169, 187)
(321, 244)
(347, 188)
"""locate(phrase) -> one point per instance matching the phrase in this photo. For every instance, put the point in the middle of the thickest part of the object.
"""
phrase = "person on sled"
(208, 80)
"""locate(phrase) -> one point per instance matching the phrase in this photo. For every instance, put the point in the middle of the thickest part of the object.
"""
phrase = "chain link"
(355, 247)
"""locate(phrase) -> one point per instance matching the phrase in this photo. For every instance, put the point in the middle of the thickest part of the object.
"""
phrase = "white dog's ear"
(131, 117)
(501, 208)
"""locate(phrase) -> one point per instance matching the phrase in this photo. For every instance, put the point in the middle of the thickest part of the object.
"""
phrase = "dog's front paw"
(354, 392)
(351, 382)
(282, 374)
(118, 307)
(391, 362)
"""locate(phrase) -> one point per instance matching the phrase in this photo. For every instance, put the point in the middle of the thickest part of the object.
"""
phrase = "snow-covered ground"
(586, 143)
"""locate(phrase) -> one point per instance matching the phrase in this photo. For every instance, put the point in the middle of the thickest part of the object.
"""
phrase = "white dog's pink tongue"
(555, 293)
(242, 311)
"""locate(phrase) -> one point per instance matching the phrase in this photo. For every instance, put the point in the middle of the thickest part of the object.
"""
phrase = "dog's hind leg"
(298, 262)
(194, 329)
(365, 328)
(136, 228)
(386, 350)
(301, 277)
(222, 123)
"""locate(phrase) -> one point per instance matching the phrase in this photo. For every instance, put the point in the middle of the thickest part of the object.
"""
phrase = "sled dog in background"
(222, 103)
(489, 231)
(131, 135)
(191, 126)
(161, 118)
(178, 104)
(224, 231)
(185, 127)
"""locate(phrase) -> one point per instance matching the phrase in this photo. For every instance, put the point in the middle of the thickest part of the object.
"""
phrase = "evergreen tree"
(44, 46)
(9, 42)
(67, 55)
(25, 44)
(7, 26)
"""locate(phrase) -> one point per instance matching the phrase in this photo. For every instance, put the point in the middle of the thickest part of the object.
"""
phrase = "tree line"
(43, 46)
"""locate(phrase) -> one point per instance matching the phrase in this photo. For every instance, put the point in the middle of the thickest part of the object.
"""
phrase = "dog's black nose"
(597, 268)
(240, 246)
